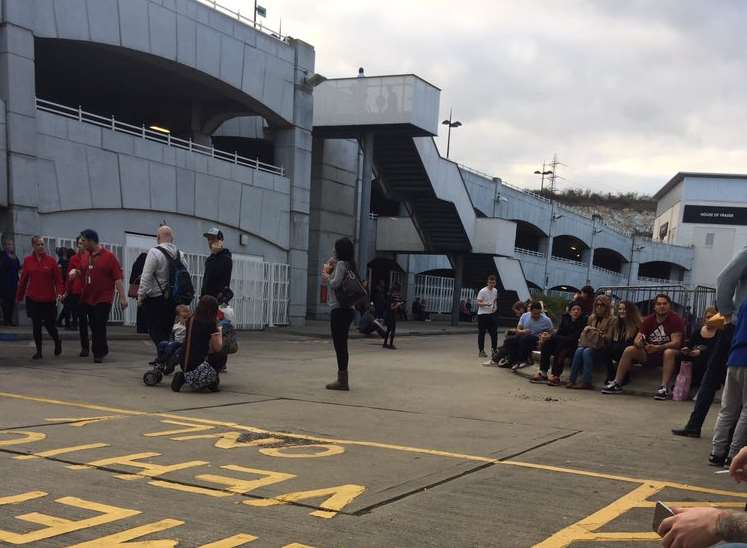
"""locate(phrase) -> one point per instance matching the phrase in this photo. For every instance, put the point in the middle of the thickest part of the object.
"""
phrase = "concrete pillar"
(587, 257)
(458, 282)
(293, 153)
(364, 221)
(18, 179)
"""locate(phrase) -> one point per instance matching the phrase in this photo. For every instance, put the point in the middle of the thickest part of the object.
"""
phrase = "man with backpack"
(164, 284)
(100, 274)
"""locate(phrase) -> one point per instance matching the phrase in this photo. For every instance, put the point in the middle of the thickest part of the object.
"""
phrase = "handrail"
(569, 261)
(530, 252)
(157, 136)
(654, 280)
(607, 271)
(242, 19)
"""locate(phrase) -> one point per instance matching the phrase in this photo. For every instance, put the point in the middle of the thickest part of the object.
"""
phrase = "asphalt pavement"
(429, 448)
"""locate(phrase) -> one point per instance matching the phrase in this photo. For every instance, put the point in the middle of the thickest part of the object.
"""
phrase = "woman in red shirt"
(74, 289)
(41, 284)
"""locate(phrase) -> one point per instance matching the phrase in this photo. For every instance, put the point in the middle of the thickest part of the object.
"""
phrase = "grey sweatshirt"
(334, 283)
(156, 271)
(731, 286)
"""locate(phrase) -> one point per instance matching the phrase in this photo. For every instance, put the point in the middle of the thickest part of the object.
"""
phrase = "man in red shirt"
(658, 343)
(101, 273)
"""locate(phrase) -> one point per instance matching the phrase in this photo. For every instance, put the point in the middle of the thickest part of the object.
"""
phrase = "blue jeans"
(583, 362)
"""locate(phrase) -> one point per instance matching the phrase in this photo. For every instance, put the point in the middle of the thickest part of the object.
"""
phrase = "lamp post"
(548, 252)
(594, 232)
(451, 123)
(633, 250)
(543, 173)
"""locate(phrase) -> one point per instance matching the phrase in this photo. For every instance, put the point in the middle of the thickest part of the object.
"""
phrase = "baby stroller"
(169, 355)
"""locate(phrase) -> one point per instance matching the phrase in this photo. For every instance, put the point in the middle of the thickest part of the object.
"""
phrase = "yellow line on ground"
(376, 445)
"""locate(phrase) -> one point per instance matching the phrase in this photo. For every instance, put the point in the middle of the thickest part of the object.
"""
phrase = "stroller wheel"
(159, 377)
(151, 378)
(168, 368)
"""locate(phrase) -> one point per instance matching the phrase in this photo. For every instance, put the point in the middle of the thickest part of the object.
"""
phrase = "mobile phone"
(661, 512)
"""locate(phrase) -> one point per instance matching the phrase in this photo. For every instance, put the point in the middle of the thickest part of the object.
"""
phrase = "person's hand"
(73, 274)
(691, 528)
(694, 353)
(738, 468)
(123, 302)
(325, 276)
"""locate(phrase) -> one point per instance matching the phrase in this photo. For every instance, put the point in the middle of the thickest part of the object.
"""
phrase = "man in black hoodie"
(561, 344)
(218, 266)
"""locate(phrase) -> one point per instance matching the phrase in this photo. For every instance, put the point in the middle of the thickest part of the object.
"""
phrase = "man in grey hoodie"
(731, 290)
(154, 283)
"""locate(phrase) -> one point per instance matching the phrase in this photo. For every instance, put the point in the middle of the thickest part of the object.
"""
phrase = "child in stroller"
(169, 352)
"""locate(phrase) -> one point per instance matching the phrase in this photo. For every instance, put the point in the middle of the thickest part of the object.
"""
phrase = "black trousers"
(159, 314)
(97, 316)
(558, 348)
(713, 378)
(80, 318)
(486, 322)
(42, 314)
(339, 323)
(8, 303)
(520, 346)
(391, 327)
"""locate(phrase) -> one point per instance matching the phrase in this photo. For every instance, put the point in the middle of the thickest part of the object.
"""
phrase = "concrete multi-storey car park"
(89, 86)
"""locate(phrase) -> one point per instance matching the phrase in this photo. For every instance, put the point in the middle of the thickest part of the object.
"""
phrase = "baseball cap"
(215, 231)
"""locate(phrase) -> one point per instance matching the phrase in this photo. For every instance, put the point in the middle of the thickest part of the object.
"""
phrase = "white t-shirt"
(489, 297)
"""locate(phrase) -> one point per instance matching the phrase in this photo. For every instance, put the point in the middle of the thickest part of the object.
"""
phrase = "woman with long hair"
(334, 272)
(625, 326)
(204, 336)
(41, 285)
(594, 339)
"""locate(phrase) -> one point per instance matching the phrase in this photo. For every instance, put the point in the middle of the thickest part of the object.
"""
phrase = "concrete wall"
(334, 173)
(183, 31)
(80, 167)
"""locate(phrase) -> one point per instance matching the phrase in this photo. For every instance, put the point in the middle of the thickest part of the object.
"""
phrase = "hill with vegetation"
(627, 211)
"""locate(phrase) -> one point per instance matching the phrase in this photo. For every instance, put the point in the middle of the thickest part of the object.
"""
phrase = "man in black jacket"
(561, 344)
(218, 265)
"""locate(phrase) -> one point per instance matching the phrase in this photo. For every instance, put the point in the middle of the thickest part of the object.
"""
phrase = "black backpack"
(179, 289)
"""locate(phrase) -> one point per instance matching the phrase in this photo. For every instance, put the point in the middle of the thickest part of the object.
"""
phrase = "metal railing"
(658, 281)
(243, 19)
(608, 272)
(436, 292)
(158, 136)
(531, 253)
(569, 261)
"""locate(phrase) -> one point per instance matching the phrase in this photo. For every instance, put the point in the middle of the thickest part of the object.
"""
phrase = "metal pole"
(255, 14)
(548, 251)
(542, 181)
(458, 281)
(632, 250)
(591, 250)
(364, 218)
(448, 141)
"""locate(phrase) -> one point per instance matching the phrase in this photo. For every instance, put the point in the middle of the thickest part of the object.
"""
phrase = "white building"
(707, 211)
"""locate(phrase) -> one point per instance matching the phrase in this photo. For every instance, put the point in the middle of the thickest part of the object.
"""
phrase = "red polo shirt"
(75, 286)
(41, 280)
(100, 270)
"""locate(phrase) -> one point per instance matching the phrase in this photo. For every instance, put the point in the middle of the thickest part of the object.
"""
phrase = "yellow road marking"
(341, 496)
(120, 539)
(148, 469)
(61, 451)
(191, 428)
(29, 437)
(84, 421)
(23, 497)
(55, 526)
(231, 542)
(296, 452)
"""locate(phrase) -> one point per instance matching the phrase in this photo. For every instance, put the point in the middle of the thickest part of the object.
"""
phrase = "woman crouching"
(204, 336)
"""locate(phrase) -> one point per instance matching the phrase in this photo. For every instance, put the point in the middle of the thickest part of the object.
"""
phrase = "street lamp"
(594, 231)
(543, 173)
(548, 252)
(451, 124)
(633, 250)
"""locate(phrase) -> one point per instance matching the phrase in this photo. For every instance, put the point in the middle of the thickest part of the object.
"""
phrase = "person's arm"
(122, 293)
(338, 275)
(59, 284)
(147, 280)
(481, 298)
(216, 340)
(726, 283)
(702, 527)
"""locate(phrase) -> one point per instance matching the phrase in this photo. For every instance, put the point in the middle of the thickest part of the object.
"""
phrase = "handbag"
(133, 290)
(230, 343)
(681, 390)
(591, 338)
(351, 292)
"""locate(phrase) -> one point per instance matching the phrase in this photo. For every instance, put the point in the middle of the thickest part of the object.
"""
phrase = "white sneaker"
(520, 365)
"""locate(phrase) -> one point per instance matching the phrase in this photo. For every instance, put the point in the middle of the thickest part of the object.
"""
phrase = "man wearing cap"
(100, 274)
(218, 265)
(154, 285)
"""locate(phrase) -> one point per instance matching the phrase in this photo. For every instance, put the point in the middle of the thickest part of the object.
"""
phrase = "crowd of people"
(77, 290)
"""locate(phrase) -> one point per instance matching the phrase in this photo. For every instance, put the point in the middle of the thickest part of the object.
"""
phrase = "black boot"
(686, 432)
(57, 346)
(342, 382)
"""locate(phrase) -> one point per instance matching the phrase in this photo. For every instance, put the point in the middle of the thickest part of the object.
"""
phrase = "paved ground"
(428, 449)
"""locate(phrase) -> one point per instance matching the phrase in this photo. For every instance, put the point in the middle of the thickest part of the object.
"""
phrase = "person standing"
(153, 293)
(218, 266)
(74, 288)
(334, 272)
(41, 285)
(393, 305)
(10, 266)
(487, 299)
(731, 291)
(102, 274)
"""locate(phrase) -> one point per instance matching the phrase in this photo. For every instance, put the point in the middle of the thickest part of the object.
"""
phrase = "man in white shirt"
(487, 305)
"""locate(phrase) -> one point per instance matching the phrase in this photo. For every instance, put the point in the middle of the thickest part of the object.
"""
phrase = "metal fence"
(690, 303)
(436, 293)
(260, 289)
(163, 137)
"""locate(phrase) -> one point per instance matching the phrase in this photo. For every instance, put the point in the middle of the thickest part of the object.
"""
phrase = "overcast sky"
(626, 92)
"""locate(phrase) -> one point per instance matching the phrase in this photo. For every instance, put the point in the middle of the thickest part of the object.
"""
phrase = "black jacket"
(217, 273)
(569, 331)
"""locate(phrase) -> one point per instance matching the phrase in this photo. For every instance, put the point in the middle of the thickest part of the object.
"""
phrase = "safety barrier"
(436, 293)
